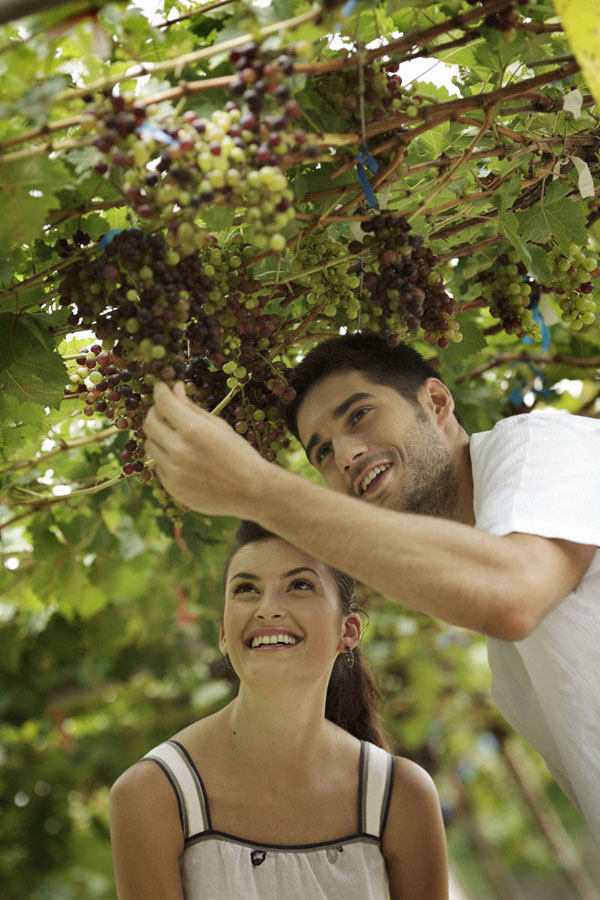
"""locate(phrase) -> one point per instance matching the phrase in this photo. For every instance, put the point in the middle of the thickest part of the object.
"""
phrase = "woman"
(286, 793)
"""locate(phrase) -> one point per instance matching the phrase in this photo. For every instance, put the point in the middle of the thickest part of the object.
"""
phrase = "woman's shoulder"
(414, 801)
(144, 784)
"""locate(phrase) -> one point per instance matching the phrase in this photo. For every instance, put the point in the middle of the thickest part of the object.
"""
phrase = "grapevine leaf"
(218, 218)
(555, 215)
(29, 369)
(538, 265)
(455, 355)
(28, 192)
(506, 194)
(510, 229)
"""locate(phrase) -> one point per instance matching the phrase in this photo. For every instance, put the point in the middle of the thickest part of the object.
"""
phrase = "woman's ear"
(435, 397)
(222, 641)
(351, 632)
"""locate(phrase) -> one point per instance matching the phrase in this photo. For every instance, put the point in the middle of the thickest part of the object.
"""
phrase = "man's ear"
(351, 632)
(435, 397)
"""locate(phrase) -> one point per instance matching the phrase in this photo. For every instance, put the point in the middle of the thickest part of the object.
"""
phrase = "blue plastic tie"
(348, 8)
(107, 238)
(146, 129)
(364, 157)
(515, 397)
(539, 318)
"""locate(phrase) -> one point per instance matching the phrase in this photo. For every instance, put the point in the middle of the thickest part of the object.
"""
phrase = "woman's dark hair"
(353, 699)
(400, 367)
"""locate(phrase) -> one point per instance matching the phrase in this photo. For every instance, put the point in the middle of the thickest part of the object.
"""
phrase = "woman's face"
(282, 614)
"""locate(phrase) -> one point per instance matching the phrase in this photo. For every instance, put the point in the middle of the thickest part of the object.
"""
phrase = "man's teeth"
(266, 639)
(372, 475)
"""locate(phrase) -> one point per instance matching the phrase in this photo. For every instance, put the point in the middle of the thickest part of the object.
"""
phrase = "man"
(497, 533)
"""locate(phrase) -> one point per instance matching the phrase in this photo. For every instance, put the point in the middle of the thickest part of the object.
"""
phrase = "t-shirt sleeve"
(539, 474)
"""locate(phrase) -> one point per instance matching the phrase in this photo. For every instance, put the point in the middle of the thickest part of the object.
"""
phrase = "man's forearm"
(435, 566)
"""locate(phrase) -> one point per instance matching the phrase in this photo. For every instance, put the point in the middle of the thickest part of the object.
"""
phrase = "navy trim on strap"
(195, 771)
(173, 784)
(388, 798)
(361, 764)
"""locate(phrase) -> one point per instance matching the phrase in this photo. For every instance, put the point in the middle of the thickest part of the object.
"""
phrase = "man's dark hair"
(400, 367)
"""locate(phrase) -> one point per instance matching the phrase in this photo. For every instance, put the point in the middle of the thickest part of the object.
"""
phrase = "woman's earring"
(349, 657)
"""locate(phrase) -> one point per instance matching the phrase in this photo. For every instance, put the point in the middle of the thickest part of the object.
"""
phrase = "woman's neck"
(287, 730)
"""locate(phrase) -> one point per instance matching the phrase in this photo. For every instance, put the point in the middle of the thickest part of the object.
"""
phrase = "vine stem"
(489, 116)
(42, 502)
(189, 59)
(524, 356)
(436, 113)
(468, 249)
(28, 283)
(62, 448)
(326, 265)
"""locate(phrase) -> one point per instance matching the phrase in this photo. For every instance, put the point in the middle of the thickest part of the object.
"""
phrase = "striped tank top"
(220, 866)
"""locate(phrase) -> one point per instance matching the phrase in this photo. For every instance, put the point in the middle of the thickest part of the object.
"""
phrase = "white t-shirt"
(540, 474)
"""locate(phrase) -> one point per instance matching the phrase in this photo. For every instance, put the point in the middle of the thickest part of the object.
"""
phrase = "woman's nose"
(269, 606)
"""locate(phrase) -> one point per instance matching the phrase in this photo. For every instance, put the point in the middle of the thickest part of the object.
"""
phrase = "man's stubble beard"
(432, 489)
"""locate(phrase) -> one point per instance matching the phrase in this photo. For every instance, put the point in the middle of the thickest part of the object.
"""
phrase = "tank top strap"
(176, 763)
(375, 788)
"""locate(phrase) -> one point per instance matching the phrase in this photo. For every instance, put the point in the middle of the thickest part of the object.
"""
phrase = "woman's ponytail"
(353, 699)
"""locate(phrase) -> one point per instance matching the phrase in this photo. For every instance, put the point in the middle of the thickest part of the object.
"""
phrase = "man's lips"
(367, 480)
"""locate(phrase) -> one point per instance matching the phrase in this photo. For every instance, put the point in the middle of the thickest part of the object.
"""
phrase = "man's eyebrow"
(337, 413)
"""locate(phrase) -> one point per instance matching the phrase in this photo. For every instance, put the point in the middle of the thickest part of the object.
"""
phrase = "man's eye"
(322, 452)
(357, 414)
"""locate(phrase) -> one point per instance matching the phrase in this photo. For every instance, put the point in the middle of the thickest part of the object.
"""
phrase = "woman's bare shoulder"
(414, 844)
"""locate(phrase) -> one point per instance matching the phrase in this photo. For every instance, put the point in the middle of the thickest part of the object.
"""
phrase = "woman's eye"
(301, 584)
(245, 587)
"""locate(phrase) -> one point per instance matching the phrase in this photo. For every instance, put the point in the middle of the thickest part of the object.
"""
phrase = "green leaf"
(509, 226)
(538, 265)
(506, 194)
(28, 193)
(455, 355)
(29, 369)
(218, 218)
(555, 215)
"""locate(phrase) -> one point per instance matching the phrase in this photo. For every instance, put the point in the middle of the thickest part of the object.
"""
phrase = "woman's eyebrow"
(245, 575)
(301, 569)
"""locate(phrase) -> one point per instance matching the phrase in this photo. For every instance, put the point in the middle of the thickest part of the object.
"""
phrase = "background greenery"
(110, 604)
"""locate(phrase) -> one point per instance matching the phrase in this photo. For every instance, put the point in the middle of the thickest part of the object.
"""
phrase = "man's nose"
(348, 451)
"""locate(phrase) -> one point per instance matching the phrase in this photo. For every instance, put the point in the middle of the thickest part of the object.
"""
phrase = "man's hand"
(199, 459)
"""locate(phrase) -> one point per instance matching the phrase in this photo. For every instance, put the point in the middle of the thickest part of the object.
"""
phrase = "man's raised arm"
(501, 586)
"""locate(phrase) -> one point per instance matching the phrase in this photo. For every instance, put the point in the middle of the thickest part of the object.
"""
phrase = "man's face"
(368, 441)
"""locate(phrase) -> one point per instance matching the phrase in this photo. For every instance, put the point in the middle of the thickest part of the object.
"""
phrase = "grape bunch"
(161, 317)
(176, 166)
(384, 94)
(405, 290)
(335, 288)
(508, 291)
(146, 304)
(571, 281)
